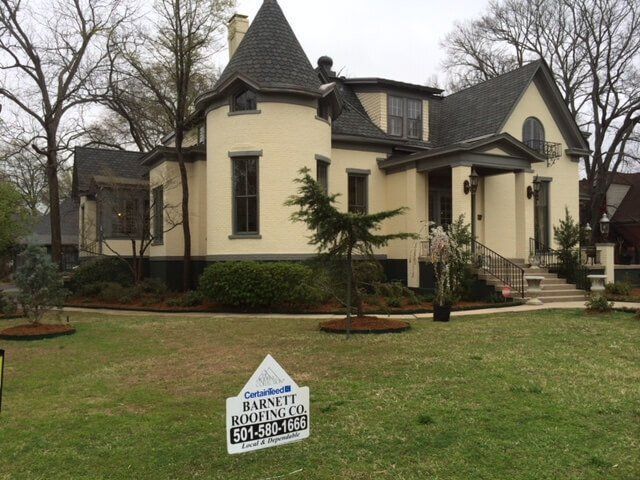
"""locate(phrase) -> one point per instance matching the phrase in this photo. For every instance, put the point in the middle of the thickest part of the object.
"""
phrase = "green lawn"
(551, 395)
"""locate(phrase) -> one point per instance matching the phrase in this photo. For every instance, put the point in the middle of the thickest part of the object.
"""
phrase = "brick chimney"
(238, 26)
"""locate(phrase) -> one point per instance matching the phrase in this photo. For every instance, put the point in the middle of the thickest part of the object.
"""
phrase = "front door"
(541, 216)
(440, 207)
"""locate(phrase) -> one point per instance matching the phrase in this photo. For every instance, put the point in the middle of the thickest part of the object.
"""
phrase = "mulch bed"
(36, 332)
(365, 325)
(329, 308)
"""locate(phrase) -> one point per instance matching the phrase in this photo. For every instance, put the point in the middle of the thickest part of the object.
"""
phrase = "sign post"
(271, 410)
(1, 375)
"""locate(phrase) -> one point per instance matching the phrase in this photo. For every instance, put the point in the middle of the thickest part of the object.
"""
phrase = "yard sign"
(271, 410)
(1, 375)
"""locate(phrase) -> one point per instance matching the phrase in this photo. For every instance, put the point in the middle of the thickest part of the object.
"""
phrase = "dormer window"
(533, 134)
(246, 100)
(404, 117)
(323, 110)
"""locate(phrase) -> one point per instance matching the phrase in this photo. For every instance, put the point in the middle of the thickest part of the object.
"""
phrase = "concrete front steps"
(554, 289)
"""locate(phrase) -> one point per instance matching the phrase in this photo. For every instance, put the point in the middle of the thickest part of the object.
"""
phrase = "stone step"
(555, 287)
(568, 298)
(559, 293)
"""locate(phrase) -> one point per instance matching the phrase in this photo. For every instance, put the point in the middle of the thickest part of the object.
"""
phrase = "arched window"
(533, 134)
(245, 100)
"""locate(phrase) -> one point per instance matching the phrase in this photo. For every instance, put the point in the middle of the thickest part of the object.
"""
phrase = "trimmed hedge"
(100, 270)
(259, 285)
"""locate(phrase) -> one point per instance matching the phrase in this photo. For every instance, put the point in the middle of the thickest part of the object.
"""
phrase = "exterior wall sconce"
(605, 225)
(533, 191)
(471, 185)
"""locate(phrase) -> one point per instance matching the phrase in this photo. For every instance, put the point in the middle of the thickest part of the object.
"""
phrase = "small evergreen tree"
(567, 235)
(40, 284)
(340, 235)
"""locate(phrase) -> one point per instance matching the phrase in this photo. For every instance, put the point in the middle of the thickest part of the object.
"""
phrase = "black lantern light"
(471, 185)
(605, 225)
(533, 190)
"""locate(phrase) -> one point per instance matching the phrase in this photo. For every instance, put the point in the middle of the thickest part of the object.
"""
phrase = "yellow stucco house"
(504, 153)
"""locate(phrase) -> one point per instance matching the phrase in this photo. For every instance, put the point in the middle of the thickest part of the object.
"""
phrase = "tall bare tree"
(48, 61)
(593, 50)
(171, 63)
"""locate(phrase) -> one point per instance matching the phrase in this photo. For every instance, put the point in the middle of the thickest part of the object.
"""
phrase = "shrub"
(622, 289)
(8, 304)
(190, 299)
(253, 284)
(598, 303)
(394, 302)
(151, 286)
(113, 292)
(111, 269)
(40, 284)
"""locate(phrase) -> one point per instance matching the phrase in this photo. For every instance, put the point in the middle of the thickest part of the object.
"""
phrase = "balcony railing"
(552, 151)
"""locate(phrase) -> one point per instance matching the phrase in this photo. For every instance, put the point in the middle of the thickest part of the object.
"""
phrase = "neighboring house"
(623, 208)
(41, 233)
(379, 143)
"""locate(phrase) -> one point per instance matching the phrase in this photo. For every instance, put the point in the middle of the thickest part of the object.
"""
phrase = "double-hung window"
(158, 215)
(396, 116)
(245, 195)
(404, 117)
(358, 195)
(322, 175)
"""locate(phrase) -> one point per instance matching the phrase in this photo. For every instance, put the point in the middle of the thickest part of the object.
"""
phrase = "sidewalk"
(486, 311)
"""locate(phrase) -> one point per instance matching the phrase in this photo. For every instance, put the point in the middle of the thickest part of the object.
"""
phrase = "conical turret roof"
(271, 56)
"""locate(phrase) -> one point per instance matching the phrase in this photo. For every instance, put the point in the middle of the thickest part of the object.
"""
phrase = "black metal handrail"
(498, 267)
(551, 259)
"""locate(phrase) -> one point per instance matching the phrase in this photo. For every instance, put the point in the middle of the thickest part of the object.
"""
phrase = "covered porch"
(492, 183)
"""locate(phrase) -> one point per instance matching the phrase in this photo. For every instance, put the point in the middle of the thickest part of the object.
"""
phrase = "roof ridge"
(501, 76)
(108, 150)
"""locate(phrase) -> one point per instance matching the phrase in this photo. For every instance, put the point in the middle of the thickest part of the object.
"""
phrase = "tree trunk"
(186, 227)
(54, 207)
(349, 286)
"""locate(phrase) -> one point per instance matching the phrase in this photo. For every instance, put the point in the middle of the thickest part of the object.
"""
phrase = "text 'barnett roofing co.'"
(271, 410)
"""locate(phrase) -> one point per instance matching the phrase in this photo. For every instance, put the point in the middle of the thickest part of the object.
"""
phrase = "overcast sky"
(398, 39)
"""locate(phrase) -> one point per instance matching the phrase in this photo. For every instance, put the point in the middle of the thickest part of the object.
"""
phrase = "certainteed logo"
(268, 392)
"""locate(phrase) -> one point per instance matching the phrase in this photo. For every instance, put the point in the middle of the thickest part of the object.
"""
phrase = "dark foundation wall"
(171, 272)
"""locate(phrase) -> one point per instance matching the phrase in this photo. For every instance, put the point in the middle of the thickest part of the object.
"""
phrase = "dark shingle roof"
(271, 55)
(481, 109)
(91, 162)
(629, 209)
(41, 234)
(354, 119)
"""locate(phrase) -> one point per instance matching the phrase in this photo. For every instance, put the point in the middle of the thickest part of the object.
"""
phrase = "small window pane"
(323, 175)
(395, 106)
(245, 101)
(357, 193)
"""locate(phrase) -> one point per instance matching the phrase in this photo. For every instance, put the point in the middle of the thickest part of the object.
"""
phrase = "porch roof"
(474, 152)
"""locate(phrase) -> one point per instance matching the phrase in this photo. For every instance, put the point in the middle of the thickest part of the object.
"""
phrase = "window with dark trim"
(323, 110)
(404, 117)
(158, 215)
(533, 134)
(245, 195)
(396, 116)
(322, 175)
(126, 211)
(244, 101)
(358, 195)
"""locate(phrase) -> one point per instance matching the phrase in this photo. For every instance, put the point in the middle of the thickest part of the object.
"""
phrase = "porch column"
(461, 202)
(417, 188)
(524, 214)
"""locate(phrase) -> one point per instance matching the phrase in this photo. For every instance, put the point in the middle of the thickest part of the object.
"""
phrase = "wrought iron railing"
(551, 150)
(497, 266)
(574, 272)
